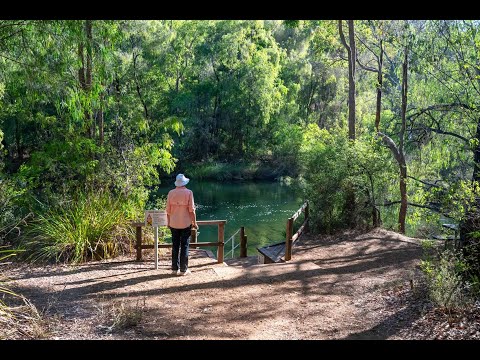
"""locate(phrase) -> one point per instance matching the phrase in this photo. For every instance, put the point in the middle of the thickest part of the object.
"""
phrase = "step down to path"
(242, 262)
(288, 269)
(272, 253)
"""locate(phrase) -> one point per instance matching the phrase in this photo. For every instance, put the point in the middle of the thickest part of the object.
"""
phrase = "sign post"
(155, 218)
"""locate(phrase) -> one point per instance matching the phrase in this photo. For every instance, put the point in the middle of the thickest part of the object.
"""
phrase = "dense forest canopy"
(371, 116)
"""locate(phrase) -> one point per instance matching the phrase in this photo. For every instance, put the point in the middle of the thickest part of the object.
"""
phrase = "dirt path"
(332, 289)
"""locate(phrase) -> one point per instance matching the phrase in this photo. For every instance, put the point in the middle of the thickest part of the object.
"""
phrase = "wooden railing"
(193, 241)
(291, 238)
(242, 243)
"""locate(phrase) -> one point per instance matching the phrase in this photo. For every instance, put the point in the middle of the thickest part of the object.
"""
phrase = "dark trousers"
(180, 242)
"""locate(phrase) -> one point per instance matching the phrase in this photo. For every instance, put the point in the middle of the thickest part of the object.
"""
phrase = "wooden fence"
(193, 242)
(291, 238)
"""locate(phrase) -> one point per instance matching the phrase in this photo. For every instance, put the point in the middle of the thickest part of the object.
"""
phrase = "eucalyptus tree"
(448, 118)
(69, 113)
(230, 93)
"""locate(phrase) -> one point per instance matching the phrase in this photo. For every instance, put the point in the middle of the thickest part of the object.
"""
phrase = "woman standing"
(181, 218)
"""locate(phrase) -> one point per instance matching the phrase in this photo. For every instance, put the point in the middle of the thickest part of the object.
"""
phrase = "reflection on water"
(262, 207)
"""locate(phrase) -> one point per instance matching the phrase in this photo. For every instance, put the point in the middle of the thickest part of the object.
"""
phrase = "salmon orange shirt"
(179, 204)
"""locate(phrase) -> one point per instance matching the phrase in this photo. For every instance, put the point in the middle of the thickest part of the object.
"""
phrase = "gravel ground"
(348, 286)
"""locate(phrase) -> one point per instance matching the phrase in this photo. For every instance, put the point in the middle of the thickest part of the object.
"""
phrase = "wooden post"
(221, 234)
(243, 242)
(155, 246)
(307, 217)
(288, 241)
(139, 242)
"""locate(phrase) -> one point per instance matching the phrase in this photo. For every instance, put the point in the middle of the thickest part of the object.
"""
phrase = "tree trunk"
(88, 76)
(100, 121)
(379, 88)
(81, 71)
(85, 74)
(18, 142)
(399, 152)
(403, 166)
(88, 33)
(137, 85)
(351, 51)
(351, 81)
(375, 213)
(476, 155)
(402, 215)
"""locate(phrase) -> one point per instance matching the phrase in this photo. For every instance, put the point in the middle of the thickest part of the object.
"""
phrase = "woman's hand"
(195, 225)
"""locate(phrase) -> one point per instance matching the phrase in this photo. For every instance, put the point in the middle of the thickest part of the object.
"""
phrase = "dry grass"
(120, 316)
(22, 322)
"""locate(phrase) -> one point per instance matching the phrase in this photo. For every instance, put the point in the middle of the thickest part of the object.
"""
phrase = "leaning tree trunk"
(399, 152)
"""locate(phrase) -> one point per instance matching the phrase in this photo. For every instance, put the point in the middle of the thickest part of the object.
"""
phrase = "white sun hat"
(181, 180)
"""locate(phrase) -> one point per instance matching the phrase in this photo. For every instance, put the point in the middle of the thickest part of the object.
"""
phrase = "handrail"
(211, 222)
(290, 238)
(199, 222)
(220, 243)
(299, 211)
(232, 239)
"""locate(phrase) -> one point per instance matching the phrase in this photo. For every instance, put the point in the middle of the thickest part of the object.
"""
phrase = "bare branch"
(440, 107)
(423, 206)
(342, 36)
(391, 144)
(364, 44)
(368, 68)
(439, 131)
(424, 182)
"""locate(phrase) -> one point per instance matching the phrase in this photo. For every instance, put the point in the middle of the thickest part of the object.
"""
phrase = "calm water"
(262, 207)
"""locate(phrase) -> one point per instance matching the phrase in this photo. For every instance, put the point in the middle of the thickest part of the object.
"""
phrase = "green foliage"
(444, 279)
(114, 109)
(331, 165)
(93, 226)
(10, 214)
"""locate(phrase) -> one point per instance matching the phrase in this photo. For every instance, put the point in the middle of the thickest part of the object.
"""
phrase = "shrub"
(333, 168)
(10, 216)
(94, 226)
(446, 287)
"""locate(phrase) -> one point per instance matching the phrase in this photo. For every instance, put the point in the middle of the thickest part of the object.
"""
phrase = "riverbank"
(239, 171)
(348, 286)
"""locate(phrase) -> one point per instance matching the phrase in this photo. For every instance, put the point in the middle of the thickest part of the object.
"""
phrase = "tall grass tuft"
(22, 321)
(92, 227)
